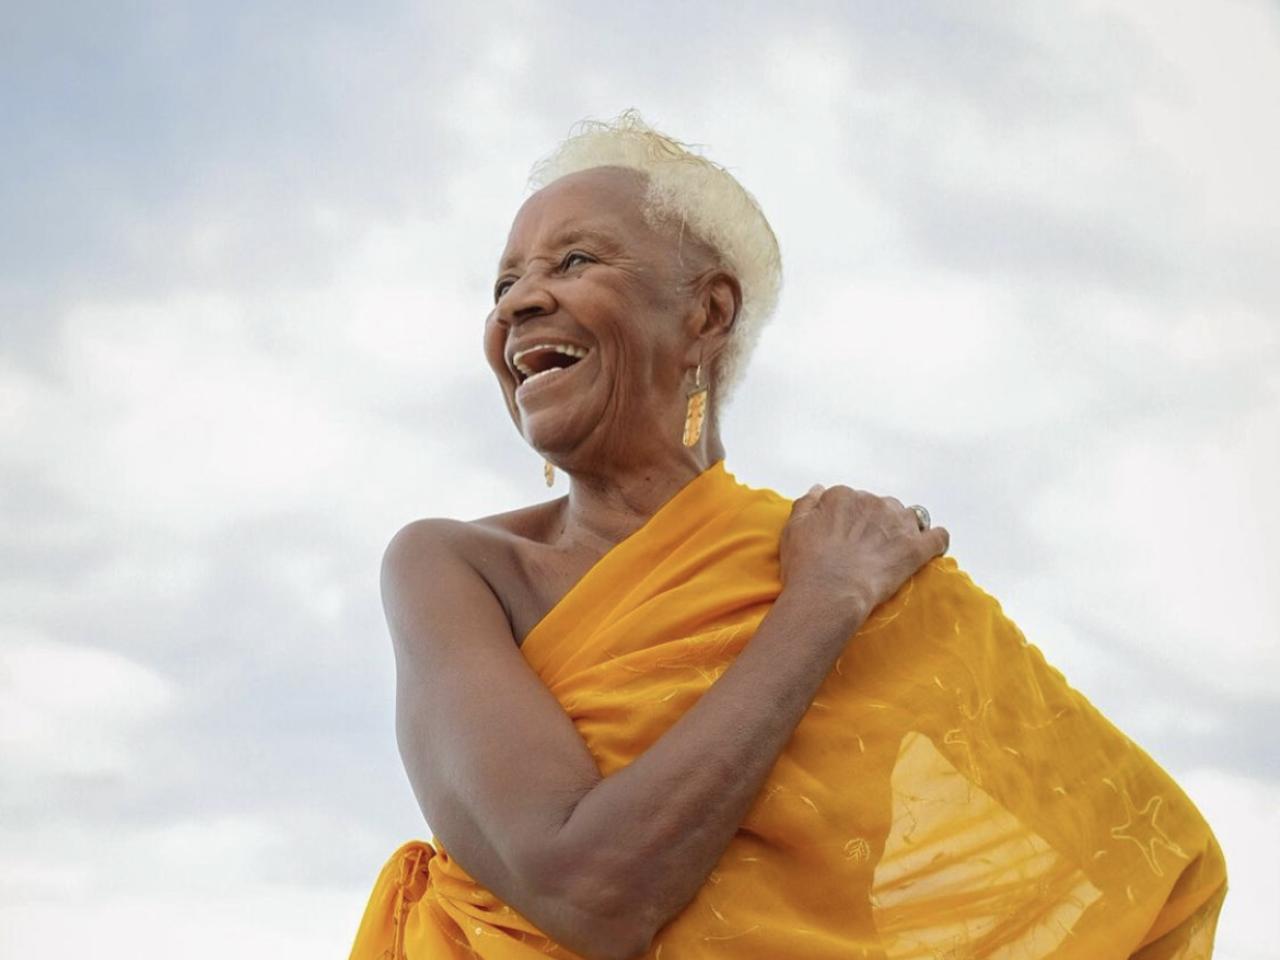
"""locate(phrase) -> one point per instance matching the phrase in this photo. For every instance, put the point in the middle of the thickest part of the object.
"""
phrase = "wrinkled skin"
(648, 303)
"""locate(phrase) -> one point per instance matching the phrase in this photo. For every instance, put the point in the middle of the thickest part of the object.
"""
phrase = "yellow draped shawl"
(947, 794)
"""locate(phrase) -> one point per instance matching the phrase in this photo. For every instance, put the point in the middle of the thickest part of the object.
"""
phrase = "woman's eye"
(503, 286)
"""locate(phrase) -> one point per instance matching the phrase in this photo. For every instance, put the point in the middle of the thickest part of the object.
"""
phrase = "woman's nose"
(527, 297)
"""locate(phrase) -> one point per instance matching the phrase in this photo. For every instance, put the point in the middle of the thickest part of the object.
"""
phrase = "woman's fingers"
(806, 502)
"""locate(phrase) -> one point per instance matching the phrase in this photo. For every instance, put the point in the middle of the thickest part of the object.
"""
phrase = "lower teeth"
(541, 373)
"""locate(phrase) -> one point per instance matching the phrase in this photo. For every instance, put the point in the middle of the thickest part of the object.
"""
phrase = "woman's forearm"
(657, 827)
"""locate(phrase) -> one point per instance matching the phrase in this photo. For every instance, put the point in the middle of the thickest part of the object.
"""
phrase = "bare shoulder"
(480, 540)
(507, 551)
(433, 553)
(422, 551)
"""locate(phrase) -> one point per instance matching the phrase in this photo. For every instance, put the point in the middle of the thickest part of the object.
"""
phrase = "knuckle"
(841, 494)
(888, 504)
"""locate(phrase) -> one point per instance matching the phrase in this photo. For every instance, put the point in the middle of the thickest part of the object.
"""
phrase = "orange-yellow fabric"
(947, 794)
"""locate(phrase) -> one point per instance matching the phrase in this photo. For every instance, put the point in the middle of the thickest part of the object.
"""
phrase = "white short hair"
(705, 198)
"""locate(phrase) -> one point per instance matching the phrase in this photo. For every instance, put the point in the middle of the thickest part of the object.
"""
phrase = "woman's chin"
(550, 427)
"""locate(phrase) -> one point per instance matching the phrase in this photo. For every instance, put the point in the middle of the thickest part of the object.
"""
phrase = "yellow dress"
(947, 794)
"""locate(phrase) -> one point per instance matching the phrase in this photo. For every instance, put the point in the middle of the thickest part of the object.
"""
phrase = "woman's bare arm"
(494, 761)
(667, 817)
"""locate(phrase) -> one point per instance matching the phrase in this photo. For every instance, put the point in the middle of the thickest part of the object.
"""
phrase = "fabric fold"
(947, 793)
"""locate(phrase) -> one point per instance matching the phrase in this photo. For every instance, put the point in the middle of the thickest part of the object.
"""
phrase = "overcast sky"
(1032, 282)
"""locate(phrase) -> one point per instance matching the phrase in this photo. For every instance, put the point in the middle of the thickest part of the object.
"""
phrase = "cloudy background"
(1033, 282)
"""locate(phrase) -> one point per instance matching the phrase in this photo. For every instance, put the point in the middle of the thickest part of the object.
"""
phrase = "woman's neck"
(603, 509)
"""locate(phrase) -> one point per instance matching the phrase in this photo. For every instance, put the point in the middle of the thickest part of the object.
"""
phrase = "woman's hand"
(853, 549)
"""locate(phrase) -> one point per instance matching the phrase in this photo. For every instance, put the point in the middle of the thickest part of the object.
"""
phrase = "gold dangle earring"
(696, 410)
(549, 472)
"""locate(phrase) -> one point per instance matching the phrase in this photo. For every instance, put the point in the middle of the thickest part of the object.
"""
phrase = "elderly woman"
(675, 716)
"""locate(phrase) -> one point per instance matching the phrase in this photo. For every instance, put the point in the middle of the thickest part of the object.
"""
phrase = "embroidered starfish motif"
(1141, 829)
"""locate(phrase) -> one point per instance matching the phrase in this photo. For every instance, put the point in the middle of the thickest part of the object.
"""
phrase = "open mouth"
(544, 363)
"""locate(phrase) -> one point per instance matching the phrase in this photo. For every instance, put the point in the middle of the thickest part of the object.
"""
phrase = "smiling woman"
(587, 260)
(672, 715)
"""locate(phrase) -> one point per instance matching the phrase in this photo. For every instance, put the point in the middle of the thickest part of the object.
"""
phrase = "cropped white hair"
(705, 198)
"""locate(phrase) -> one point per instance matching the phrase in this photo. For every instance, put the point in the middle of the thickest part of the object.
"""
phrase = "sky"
(1032, 281)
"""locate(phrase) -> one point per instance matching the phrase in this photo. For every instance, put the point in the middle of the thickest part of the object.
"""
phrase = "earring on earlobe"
(549, 472)
(696, 409)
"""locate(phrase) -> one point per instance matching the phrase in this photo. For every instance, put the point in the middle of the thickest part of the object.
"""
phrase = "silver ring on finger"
(922, 516)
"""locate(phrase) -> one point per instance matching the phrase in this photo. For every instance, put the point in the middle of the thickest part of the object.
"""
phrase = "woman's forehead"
(598, 204)
(602, 236)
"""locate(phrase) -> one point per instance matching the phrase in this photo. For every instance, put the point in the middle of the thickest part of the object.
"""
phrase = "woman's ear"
(719, 301)
(725, 300)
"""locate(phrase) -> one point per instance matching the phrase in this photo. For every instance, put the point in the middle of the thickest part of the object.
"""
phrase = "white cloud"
(1170, 543)
(906, 351)
(194, 887)
(70, 710)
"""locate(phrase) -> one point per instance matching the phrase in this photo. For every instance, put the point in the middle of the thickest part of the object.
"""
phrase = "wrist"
(844, 610)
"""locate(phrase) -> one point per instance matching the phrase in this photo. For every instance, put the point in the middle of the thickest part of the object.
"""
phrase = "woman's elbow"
(596, 937)
(594, 917)
(613, 942)
(625, 924)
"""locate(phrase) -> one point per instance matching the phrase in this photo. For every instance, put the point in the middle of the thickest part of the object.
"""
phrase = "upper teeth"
(558, 347)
